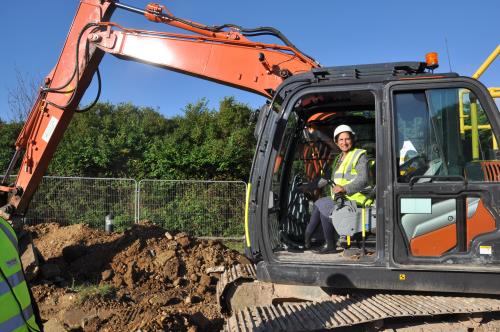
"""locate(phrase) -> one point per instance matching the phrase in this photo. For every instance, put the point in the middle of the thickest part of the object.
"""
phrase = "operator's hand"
(301, 188)
(338, 189)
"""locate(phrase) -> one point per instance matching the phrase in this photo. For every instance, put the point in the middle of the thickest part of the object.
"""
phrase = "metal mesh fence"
(199, 208)
(71, 200)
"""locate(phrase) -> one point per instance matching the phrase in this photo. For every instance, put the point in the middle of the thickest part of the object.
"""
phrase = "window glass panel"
(445, 150)
(482, 160)
(412, 134)
(444, 132)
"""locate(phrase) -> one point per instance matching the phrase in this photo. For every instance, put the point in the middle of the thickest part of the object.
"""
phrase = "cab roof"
(356, 74)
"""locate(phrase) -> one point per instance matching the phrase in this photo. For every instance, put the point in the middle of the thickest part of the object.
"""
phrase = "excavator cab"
(431, 140)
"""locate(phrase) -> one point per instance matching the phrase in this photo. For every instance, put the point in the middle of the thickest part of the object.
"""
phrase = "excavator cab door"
(253, 242)
(445, 170)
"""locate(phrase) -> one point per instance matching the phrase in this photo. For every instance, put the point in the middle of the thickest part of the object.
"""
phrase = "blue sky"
(333, 32)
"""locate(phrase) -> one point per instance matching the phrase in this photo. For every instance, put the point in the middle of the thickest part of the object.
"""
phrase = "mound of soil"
(143, 279)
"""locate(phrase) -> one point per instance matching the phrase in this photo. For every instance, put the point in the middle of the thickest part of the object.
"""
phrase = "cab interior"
(307, 152)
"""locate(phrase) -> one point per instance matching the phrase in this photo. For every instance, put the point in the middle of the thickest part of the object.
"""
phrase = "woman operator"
(349, 175)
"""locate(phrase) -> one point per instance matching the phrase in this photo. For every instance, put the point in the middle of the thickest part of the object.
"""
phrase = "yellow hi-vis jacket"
(346, 173)
(12, 318)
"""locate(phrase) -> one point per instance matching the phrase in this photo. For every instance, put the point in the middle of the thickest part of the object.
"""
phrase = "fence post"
(137, 201)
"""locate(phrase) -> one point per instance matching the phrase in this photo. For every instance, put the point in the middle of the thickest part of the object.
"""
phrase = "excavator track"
(353, 310)
(231, 278)
(342, 311)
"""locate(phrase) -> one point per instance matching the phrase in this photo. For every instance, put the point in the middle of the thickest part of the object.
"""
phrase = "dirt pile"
(143, 279)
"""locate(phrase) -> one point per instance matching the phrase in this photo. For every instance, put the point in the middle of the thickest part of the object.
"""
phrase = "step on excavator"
(426, 241)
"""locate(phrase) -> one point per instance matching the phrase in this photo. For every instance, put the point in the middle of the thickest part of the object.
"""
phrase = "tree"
(22, 97)
(205, 144)
(108, 141)
(8, 136)
(129, 141)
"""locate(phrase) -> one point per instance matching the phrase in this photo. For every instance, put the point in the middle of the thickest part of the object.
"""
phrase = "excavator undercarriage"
(252, 305)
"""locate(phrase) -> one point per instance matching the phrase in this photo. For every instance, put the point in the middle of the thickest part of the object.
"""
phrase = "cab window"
(444, 132)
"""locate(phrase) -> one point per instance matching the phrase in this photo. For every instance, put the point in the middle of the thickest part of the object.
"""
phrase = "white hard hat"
(341, 129)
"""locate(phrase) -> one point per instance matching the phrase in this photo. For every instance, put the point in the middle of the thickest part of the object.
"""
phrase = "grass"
(86, 291)
(238, 245)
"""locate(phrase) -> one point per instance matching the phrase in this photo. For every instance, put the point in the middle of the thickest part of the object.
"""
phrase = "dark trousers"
(320, 221)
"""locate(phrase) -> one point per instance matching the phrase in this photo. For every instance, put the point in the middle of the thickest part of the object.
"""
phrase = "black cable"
(259, 31)
(269, 31)
(30, 328)
(76, 71)
(96, 99)
(264, 30)
(99, 85)
(218, 28)
(60, 88)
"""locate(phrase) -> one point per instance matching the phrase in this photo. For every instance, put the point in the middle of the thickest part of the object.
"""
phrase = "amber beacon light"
(431, 59)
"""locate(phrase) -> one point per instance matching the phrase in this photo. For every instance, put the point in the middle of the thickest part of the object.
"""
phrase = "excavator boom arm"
(222, 54)
(251, 66)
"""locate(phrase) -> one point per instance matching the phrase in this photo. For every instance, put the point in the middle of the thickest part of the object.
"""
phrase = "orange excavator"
(432, 220)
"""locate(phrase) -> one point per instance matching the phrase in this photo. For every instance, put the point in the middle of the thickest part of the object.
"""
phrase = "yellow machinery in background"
(474, 125)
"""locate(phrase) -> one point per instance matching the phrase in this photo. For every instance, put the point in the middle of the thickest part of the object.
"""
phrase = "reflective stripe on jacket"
(11, 317)
(346, 173)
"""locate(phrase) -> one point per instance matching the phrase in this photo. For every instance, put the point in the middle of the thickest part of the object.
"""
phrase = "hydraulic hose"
(247, 32)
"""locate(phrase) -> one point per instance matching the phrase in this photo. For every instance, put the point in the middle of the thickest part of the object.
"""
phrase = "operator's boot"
(307, 240)
(328, 248)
